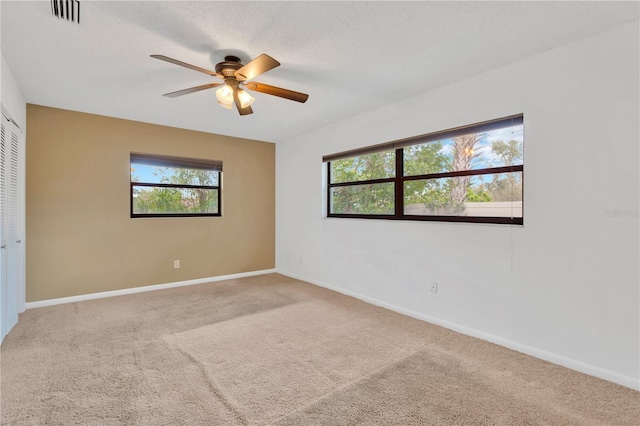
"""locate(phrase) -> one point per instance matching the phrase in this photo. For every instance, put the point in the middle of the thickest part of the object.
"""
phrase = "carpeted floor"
(271, 350)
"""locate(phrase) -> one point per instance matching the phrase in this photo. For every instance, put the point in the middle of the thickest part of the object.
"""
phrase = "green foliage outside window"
(369, 199)
(176, 200)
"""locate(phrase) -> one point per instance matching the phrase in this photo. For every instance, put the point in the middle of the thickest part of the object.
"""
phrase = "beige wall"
(80, 238)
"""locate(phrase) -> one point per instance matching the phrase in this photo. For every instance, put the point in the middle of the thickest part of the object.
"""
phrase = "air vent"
(66, 9)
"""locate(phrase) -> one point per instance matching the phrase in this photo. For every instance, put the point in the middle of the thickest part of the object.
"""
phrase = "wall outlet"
(434, 287)
(176, 264)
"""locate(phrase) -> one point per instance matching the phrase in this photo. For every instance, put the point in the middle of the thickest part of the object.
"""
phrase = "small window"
(163, 186)
(467, 174)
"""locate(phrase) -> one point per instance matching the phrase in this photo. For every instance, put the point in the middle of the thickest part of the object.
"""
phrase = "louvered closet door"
(14, 239)
(11, 226)
(3, 214)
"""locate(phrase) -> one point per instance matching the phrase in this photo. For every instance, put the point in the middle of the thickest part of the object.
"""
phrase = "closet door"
(4, 129)
(11, 225)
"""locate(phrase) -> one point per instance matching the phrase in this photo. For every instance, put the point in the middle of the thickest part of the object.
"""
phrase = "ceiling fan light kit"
(245, 99)
(236, 75)
(225, 95)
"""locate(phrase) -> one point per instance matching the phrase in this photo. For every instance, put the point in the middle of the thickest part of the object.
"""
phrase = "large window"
(164, 186)
(467, 174)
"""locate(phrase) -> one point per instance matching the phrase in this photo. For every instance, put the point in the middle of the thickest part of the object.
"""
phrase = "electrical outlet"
(434, 287)
(176, 264)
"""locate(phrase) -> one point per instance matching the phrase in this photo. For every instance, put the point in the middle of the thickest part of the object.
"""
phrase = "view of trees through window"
(476, 174)
(165, 190)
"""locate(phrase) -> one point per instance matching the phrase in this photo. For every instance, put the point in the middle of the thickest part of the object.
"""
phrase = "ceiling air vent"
(66, 9)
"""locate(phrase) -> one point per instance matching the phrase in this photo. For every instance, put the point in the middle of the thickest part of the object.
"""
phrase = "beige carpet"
(270, 350)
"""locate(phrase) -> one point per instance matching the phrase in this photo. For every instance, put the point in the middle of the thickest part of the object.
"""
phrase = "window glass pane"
(161, 200)
(432, 157)
(504, 147)
(176, 175)
(495, 195)
(377, 165)
(494, 148)
(363, 199)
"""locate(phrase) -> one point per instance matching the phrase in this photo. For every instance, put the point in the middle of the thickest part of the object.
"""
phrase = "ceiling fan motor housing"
(230, 65)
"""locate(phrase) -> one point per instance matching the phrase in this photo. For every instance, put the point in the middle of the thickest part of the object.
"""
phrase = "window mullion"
(174, 185)
(469, 172)
(398, 183)
(328, 188)
(361, 182)
(219, 194)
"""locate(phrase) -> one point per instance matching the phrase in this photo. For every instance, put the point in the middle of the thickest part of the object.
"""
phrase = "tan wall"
(80, 238)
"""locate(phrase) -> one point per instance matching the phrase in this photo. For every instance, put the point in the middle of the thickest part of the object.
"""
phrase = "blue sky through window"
(486, 157)
(149, 174)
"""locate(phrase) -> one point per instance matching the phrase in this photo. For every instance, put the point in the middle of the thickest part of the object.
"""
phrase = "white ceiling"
(350, 57)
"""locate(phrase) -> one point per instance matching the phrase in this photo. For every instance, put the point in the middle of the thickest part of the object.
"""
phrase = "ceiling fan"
(236, 75)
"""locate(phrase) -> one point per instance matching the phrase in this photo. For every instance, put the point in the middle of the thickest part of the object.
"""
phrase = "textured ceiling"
(349, 57)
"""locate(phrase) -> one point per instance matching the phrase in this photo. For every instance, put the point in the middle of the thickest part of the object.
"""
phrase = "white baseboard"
(573, 364)
(101, 295)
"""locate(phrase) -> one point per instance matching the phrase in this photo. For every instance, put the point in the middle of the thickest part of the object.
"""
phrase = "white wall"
(11, 97)
(565, 286)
